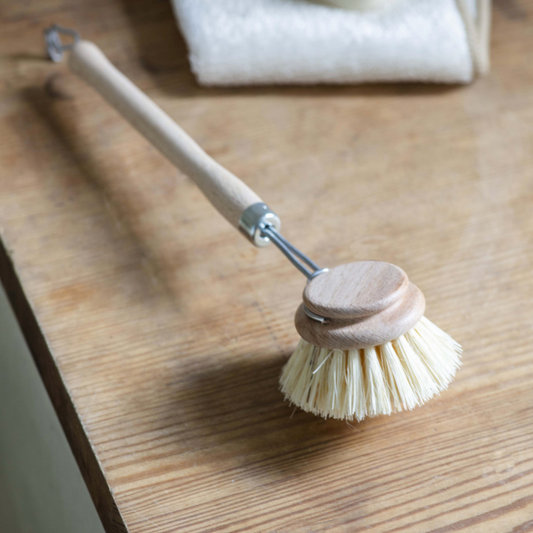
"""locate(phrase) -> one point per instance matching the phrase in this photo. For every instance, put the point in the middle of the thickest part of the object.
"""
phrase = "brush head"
(376, 354)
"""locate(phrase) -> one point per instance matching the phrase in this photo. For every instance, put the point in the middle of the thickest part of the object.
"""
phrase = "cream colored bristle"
(354, 384)
(376, 391)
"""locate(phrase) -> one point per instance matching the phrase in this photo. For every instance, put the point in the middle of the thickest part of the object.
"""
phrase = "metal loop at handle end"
(54, 45)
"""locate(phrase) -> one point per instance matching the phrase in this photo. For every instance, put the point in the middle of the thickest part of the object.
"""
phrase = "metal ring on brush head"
(314, 316)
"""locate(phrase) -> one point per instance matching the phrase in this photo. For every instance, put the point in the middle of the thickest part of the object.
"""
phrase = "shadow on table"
(49, 125)
(234, 413)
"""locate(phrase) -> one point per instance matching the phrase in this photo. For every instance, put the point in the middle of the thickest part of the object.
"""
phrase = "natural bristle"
(354, 384)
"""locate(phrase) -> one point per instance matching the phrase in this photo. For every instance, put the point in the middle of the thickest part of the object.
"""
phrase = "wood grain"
(160, 332)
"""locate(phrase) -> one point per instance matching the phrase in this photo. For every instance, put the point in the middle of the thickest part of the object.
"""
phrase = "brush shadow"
(52, 110)
(162, 52)
(235, 411)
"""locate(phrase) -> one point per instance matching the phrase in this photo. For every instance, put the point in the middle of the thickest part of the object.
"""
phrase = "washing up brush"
(366, 348)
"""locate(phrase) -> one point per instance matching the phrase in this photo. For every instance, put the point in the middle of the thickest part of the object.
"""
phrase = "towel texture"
(243, 42)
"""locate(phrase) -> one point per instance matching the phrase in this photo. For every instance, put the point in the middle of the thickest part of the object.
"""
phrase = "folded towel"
(243, 42)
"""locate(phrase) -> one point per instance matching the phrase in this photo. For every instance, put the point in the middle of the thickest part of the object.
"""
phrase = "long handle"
(233, 199)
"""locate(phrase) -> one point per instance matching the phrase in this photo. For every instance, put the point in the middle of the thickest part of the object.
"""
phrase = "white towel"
(244, 42)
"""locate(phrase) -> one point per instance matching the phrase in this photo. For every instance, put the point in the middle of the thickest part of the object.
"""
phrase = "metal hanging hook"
(262, 226)
(54, 45)
(305, 265)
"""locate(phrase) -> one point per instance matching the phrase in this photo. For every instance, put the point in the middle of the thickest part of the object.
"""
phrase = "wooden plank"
(160, 333)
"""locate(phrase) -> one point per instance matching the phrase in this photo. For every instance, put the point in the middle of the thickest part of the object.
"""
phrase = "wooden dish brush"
(366, 348)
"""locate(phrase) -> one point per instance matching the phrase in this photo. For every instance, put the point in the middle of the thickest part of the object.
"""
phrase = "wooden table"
(160, 332)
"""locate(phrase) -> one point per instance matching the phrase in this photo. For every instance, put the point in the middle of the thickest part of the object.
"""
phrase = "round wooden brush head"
(376, 354)
(355, 290)
(366, 303)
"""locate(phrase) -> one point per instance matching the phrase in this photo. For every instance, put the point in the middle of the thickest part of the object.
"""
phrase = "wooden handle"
(224, 190)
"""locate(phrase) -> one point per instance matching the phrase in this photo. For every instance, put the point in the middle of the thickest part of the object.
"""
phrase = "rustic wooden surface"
(160, 332)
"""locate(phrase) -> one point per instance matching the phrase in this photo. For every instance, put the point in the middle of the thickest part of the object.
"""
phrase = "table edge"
(78, 440)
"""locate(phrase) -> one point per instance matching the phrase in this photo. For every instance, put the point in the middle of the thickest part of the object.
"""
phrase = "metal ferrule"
(255, 219)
